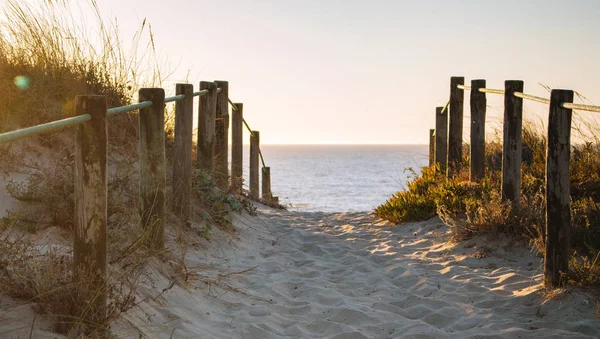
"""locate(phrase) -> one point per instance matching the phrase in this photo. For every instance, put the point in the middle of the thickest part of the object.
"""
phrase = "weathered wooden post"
(220, 171)
(431, 147)
(456, 126)
(511, 154)
(275, 202)
(89, 237)
(182, 162)
(478, 110)
(558, 212)
(266, 185)
(441, 137)
(237, 149)
(152, 166)
(254, 147)
(206, 127)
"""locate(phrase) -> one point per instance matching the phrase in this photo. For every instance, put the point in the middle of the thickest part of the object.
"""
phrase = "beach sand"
(347, 275)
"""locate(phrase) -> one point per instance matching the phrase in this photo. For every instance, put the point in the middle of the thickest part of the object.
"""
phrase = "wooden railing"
(447, 152)
(91, 153)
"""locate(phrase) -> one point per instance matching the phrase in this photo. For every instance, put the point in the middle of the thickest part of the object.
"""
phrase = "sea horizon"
(339, 177)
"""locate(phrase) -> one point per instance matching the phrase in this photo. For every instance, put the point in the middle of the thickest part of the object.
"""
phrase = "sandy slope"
(349, 275)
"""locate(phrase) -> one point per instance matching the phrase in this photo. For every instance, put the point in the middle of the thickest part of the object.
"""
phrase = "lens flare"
(22, 82)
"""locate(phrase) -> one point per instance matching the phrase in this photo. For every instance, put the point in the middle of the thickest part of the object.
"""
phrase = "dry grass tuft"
(477, 208)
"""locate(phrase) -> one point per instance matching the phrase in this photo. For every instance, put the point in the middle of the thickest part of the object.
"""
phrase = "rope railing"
(569, 105)
(44, 128)
(532, 98)
(588, 108)
(91, 163)
(492, 91)
(80, 119)
(558, 148)
(129, 108)
(57, 125)
(233, 107)
(202, 92)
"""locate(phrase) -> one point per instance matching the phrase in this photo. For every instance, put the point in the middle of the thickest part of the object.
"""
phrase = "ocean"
(338, 178)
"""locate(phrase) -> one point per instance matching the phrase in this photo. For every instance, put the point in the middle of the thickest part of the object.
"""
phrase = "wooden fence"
(446, 151)
(91, 148)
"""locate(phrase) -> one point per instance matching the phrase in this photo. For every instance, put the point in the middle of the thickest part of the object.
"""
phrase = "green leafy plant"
(217, 206)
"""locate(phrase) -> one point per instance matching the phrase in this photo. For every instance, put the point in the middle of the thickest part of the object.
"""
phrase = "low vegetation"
(216, 206)
(473, 208)
(41, 72)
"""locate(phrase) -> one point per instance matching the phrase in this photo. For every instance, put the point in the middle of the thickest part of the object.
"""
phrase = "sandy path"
(319, 275)
(342, 275)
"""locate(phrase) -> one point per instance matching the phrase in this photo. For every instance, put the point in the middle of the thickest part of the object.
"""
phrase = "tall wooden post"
(254, 147)
(478, 110)
(182, 160)
(266, 185)
(89, 237)
(456, 126)
(220, 171)
(237, 149)
(152, 166)
(431, 147)
(441, 137)
(206, 127)
(511, 154)
(558, 212)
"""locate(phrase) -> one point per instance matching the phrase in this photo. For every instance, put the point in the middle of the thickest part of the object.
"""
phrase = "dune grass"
(47, 57)
(471, 208)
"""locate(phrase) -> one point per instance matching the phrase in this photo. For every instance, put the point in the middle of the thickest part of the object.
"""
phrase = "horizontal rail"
(44, 128)
(581, 107)
(526, 96)
(491, 91)
(219, 90)
(202, 92)
(532, 98)
(233, 107)
(124, 109)
(175, 98)
(445, 107)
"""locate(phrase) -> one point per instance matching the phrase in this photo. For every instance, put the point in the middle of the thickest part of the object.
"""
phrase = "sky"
(368, 72)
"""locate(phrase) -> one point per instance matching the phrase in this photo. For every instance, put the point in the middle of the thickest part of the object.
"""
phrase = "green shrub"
(416, 203)
(217, 206)
(474, 208)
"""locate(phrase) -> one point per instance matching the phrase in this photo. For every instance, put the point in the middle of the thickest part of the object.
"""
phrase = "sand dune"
(319, 275)
(351, 276)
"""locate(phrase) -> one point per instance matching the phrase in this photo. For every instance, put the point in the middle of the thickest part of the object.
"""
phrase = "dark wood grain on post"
(237, 148)
(456, 126)
(558, 211)
(478, 110)
(511, 154)
(266, 185)
(431, 147)
(254, 147)
(220, 171)
(441, 138)
(182, 149)
(152, 167)
(206, 127)
(89, 238)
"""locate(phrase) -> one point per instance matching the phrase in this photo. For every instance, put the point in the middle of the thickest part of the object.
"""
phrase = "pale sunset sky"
(368, 72)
